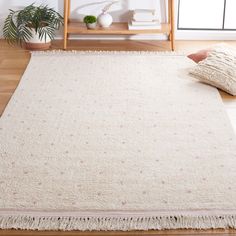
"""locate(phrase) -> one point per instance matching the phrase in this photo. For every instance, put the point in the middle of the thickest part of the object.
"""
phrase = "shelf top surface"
(75, 27)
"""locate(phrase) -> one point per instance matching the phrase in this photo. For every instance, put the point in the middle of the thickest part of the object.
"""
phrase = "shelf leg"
(171, 21)
(66, 19)
(69, 8)
(65, 43)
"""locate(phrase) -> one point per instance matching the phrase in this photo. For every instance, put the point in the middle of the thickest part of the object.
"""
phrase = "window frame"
(203, 29)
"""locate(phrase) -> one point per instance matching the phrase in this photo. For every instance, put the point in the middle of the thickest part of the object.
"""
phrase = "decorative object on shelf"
(105, 19)
(144, 15)
(90, 21)
(33, 26)
(144, 19)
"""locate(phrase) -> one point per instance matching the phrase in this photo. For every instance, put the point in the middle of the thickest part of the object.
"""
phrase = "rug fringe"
(117, 223)
(100, 52)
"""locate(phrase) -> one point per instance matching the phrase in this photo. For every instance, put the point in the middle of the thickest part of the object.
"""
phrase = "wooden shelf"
(75, 27)
(116, 28)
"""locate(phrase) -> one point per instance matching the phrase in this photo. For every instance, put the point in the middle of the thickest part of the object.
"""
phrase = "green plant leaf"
(90, 19)
(19, 25)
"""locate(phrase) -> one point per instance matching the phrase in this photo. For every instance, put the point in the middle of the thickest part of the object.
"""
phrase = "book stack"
(144, 19)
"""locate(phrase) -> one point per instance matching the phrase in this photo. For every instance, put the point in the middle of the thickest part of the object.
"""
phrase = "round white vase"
(105, 20)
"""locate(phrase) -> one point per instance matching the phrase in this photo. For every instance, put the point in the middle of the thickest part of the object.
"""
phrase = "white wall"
(79, 8)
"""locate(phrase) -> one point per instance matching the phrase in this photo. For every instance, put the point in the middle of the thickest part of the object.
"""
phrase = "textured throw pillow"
(203, 54)
(218, 69)
(200, 55)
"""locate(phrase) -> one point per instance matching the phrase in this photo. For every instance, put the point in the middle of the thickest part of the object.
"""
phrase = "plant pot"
(37, 46)
(92, 25)
(105, 20)
(35, 43)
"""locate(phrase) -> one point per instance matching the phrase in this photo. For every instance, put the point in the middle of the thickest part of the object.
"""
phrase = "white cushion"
(218, 69)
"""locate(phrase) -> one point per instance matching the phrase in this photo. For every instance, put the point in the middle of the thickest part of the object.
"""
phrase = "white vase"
(105, 20)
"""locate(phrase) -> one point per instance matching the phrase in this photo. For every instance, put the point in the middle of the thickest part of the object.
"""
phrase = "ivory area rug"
(115, 141)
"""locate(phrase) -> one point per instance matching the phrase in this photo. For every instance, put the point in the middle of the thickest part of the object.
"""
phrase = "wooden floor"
(14, 60)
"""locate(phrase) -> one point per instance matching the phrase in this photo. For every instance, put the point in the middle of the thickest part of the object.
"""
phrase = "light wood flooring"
(13, 62)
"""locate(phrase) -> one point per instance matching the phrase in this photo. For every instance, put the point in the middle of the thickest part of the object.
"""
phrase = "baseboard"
(205, 35)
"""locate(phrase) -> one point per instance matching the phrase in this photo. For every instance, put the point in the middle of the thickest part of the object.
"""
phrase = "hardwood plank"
(7, 86)
(4, 99)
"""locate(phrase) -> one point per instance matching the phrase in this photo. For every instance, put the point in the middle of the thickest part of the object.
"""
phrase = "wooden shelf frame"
(75, 27)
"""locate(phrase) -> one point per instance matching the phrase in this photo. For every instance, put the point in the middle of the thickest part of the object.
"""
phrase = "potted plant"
(34, 26)
(90, 21)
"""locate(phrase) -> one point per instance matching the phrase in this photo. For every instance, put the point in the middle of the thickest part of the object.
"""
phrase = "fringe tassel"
(91, 52)
(117, 223)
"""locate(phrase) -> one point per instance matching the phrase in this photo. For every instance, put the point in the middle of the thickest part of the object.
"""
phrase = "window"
(230, 16)
(207, 15)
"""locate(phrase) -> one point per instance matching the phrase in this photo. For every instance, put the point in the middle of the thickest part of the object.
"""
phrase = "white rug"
(115, 141)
